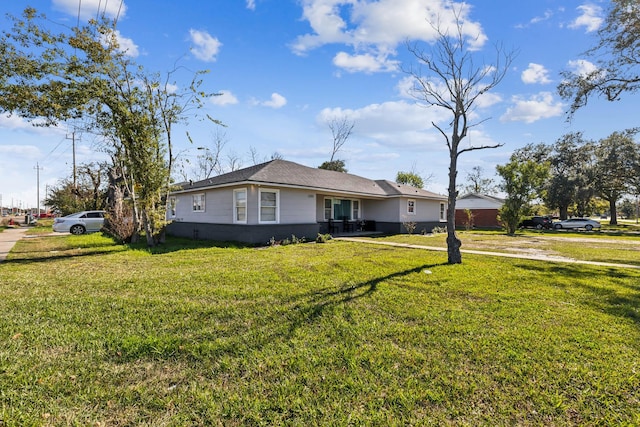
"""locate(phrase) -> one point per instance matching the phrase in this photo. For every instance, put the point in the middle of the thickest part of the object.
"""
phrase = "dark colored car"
(538, 222)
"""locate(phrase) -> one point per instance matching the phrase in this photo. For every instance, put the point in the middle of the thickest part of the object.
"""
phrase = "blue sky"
(284, 68)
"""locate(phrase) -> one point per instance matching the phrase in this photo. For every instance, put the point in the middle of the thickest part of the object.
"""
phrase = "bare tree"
(454, 82)
(479, 184)
(341, 128)
(234, 163)
(256, 158)
(209, 161)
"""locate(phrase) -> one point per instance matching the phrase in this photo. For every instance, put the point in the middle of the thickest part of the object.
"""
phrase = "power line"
(118, 15)
(79, 7)
(56, 147)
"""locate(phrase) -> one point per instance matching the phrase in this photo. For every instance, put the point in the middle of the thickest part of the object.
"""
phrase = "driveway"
(8, 238)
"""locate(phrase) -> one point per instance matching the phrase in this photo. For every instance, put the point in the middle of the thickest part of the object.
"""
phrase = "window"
(442, 212)
(411, 207)
(340, 209)
(240, 206)
(198, 202)
(327, 209)
(171, 207)
(268, 206)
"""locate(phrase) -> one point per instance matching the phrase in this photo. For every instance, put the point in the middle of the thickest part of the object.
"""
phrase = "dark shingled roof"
(290, 174)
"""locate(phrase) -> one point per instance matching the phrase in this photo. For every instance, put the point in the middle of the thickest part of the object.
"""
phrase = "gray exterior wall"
(295, 206)
(253, 234)
(395, 210)
(218, 207)
(301, 213)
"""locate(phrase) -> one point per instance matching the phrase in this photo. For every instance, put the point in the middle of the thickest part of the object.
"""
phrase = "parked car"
(79, 222)
(538, 222)
(586, 223)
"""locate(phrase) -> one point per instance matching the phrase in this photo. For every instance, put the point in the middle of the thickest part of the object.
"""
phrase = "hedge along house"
(278, 199)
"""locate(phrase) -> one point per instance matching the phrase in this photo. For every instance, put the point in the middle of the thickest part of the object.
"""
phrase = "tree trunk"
(614, 212)
(453, 243)
(564, 212)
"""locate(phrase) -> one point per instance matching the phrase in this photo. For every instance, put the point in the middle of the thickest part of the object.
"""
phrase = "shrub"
(284, 242)
(410, 226)
(323, 238)
(119, 222)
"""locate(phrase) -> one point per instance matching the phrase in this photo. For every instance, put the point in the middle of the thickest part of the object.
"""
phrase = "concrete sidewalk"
(498, 254)
(8, 238)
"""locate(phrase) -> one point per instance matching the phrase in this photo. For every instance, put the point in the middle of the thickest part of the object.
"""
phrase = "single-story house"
(483, 207)
(279, 198)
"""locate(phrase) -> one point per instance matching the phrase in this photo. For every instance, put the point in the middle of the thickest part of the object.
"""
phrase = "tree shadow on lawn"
(320, 300)
(604, 298)
(59, 247)
(269, 327)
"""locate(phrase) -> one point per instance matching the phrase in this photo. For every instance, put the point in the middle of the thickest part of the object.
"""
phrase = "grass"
(316, 334)
(588, 246)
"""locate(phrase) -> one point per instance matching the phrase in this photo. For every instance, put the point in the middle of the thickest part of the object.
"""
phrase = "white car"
(586, 223)
(80, 222)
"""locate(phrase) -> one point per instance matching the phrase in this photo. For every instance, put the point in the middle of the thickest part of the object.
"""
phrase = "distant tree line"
(571, 176)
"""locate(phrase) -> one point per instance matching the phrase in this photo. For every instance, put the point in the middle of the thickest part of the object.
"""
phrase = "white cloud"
(547, 15)
(488, 99)
(13, 122)
(276, 101)
(398, 123)
(225, 97)
(206, 47)
(22, 152)
(537, 107)
(590, 18)
(251, 4)
(535, 73)
(364, 63)
(125, 44)
(375, 28)
(582, 67)
(171, 88)
(92, 8)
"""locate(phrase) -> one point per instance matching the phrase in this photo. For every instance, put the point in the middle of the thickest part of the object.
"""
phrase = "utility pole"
(37, 168)
(73, 145)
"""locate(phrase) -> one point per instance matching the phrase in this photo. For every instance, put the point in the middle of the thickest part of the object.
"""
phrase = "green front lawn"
(316, 334)
(587, 246)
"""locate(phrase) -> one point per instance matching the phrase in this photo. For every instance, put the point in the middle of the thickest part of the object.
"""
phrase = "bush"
(284, 242)
(119, 222)
(410, 226)
(323, 238)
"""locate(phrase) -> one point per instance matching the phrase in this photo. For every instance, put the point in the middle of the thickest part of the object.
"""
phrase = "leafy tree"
(83, 73)
(88, 193)
(455, 82)
(617, 62)
(334, 165)
(617, 157)
(479, 184)
(628, 208)
(571, 174)
(410, 178)
(522, 179)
